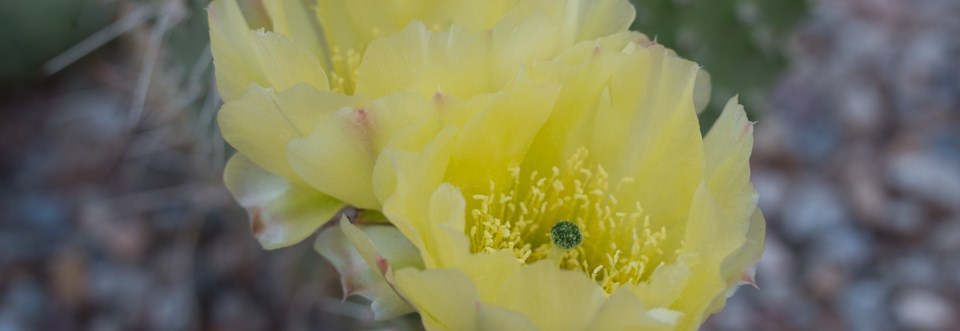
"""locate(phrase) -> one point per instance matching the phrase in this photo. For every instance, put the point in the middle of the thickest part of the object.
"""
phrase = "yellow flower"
(540, 166)
(308, 129)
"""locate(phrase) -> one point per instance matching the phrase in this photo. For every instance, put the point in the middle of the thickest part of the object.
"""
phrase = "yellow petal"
(446, 299)
(281, 213)
(661, 149)
(712, 239)
(499, 137)
(624, 311)
(243, 57)
(702, 90)
(724, 227)
(418, 59)
(738, 268)
(353, 24)
(578, 20)
(406, 193)
(603, 17)
(446, 219)
(295, 20)
(630, 103)
(552, 298)
(493, 318)
(666, 283)
(727, 152)
(261, 123)
(338, 155)
(286, 63)
(233, 53)
(584, 72)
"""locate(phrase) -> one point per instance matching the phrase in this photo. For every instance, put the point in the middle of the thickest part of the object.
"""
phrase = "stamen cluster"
(618, 245)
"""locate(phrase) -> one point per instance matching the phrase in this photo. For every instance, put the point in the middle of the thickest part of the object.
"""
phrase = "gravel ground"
(117, 220)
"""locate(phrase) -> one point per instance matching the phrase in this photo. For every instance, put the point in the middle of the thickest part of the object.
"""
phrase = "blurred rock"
(770, 137)
(69, 277)
(172, 309)
(951, 268)
(123, 238)
(776, 272)
(843, 245)
(915, 267)
(23, 305)
(120, 290)
(926, 176)
(861, 107)
(920, 96)
(772, 191)
(34, 223)
(904, 217)
(815, 208)
(923, 310)
(826, 280)
(105, 322)
(864, 184)
(946, 237)
(863, 306)
(234, 312)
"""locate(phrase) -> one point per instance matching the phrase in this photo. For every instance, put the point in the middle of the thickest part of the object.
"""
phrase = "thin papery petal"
(295, 19)
(740, 267)
(661, 149)
(701, 91)
(425, 61)
(446, 299)
(580, 20)
(499, 137)
(446, 217)
(552, 298)
(338, 155)
(727, 154)
(262, 122)
(419, 60)
(286, 63)
(233, 52)
(666, 283)
(243, 57)
(365, 257)
(624, 311)
(725, 230)
(711, 239)
(281, 213)
(406, 193)
(493, 318)
(354, 24)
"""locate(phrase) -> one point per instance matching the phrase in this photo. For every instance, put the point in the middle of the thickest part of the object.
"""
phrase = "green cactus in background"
(33, 32)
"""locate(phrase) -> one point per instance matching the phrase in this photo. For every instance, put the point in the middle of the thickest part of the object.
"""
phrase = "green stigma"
(566, 235)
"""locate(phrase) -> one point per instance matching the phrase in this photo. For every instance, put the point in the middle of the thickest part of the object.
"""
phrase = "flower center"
(575, 209)
(343, 77)
(566, 235)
